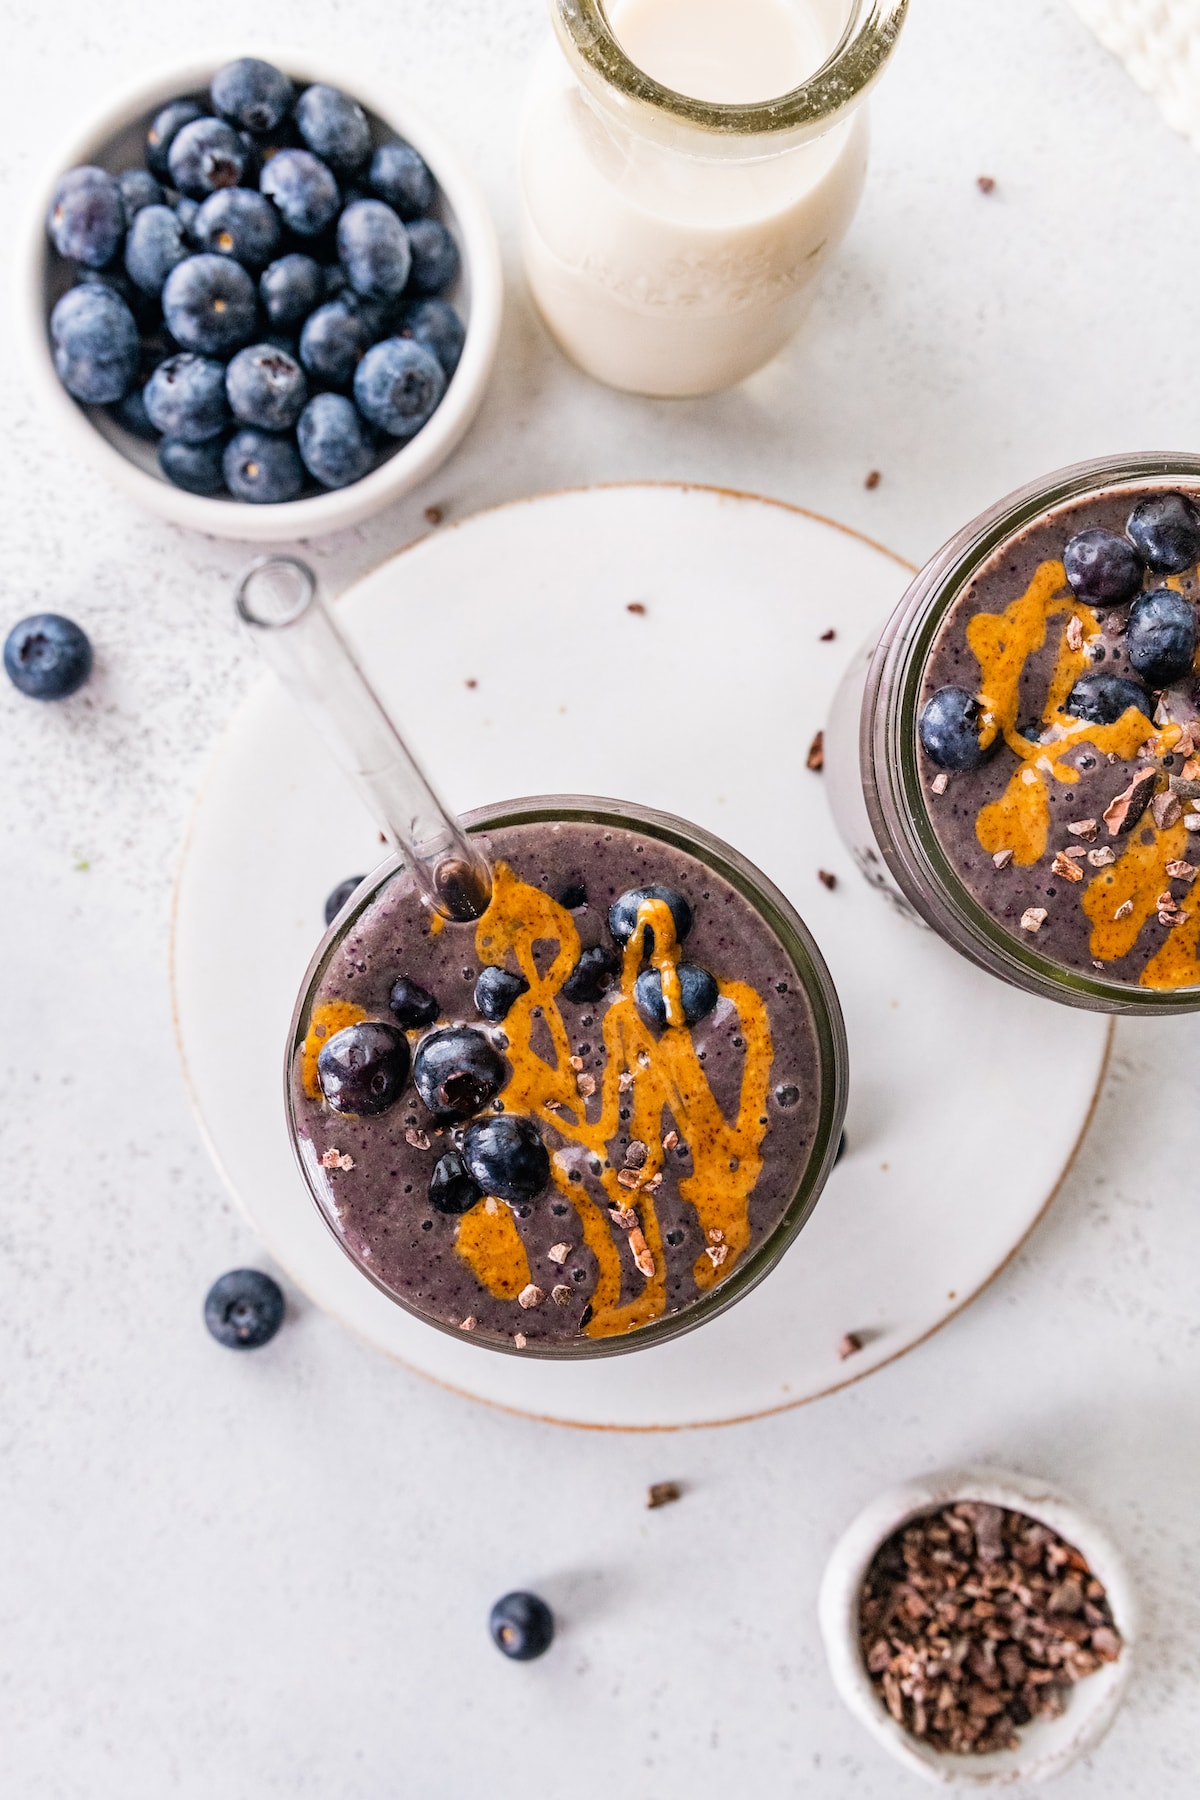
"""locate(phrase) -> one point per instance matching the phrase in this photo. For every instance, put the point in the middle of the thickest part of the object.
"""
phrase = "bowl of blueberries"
(267, 305)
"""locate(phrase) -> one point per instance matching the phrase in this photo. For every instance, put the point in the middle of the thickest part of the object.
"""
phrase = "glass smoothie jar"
(687, 169)
(1016, 761)
(588, 1120)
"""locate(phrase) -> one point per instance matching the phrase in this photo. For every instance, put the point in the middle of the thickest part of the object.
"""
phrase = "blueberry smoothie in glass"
(591, 1118)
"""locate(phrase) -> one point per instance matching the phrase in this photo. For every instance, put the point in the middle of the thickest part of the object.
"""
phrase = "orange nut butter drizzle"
(1020, 819)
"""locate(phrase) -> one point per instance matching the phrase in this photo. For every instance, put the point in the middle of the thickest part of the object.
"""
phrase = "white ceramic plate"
(507, 647)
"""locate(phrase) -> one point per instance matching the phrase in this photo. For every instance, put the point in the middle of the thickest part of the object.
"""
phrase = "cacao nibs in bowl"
(975, 1620)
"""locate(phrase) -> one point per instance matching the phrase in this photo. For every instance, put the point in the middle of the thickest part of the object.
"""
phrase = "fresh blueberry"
(338, 896)
(87, 217)
(398, 385)
(262, 467)
(131, 415)
(457, 1072)
(697, 992)
(210, 305)
(185, 211)
(303, 189)
(373, 250)
(496, 991)
(164, 130)
(95, 341)
(335, 445)
(363, 1068)
(435, 324)
(451, 1188)
(47, 657)
(266, 387)
(204, 156)
(1102, 699)
(1102, 568)
(155, 245)
(244, 1309)
(522, 1626)
(949, 729)
(1165, 530)
(334, 127)
(198, 468)
(138, 188)
(140, 305)
(333, 343)
(411, 1004)
(401, 177)
(238, 222)
(291, 288)
(622, 914)
(252, 94)
(506, 1156)
(434, 257)
(375, 316)
(335, 281)
(592, 976)
(185, 398)
(1160, 640)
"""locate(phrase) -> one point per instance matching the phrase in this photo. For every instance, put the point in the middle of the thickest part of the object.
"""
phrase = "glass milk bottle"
(687, 168)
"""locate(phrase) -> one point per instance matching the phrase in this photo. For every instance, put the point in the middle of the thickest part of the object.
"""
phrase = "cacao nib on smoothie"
(1059, 736)
(570, 1119)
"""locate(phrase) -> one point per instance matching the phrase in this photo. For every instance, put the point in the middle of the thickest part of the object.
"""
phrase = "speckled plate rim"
(851, 1378)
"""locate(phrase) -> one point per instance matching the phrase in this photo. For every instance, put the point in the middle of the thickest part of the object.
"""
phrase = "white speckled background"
(267, 1577)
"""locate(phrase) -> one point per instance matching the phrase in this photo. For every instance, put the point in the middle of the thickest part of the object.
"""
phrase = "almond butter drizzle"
(490, 1244)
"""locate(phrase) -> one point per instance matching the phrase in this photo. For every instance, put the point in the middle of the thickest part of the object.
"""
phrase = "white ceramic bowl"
(115, 141)
(1047, 1745)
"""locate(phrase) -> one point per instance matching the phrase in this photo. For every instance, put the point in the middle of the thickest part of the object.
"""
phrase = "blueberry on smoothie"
(333, 343)
(185, 398)
(622, 914)
(452, 1189)
(291, 288)
(458, 1072)
(698, 995)
(251, 94)
(266, 387)
(496, 990)
(197, 468)
(506, 1157)
(95, 344)
(210, 305)
(436, 325)
(204, 156)
(1165, 530)
(402, 178)
(434, 257)
(244, 1309)
(334, 127)
(1160, 641)
(1103, 569)
(155, 244)
(412, 1005)
(338, 896)
(164, 129)
(373, 249)
(363, 1068)
(138, 189)
(522, 1626)
(47, 656)
(240, 223)
(592, 976)
(87, 217)
(303, 189)
(397, 386)
(335, 444)
(262, 467)
(1102, 699)
(950, 727)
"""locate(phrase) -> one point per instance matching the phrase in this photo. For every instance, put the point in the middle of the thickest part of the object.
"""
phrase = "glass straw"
(278, 598)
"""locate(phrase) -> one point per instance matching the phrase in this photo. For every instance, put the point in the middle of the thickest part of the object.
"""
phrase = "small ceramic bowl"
(115, 141)
(1047, 1746)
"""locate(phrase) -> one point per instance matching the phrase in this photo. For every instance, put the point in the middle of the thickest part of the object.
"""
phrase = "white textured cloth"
(1159, 43)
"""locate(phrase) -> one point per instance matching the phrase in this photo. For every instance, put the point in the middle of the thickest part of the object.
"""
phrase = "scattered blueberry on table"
(47, 656)
(522, 1626)
(244, 1309)
(269, 236)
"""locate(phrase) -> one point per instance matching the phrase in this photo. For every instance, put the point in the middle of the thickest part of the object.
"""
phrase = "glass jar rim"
(842, 80)
(889, 733)
(829, 1034)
